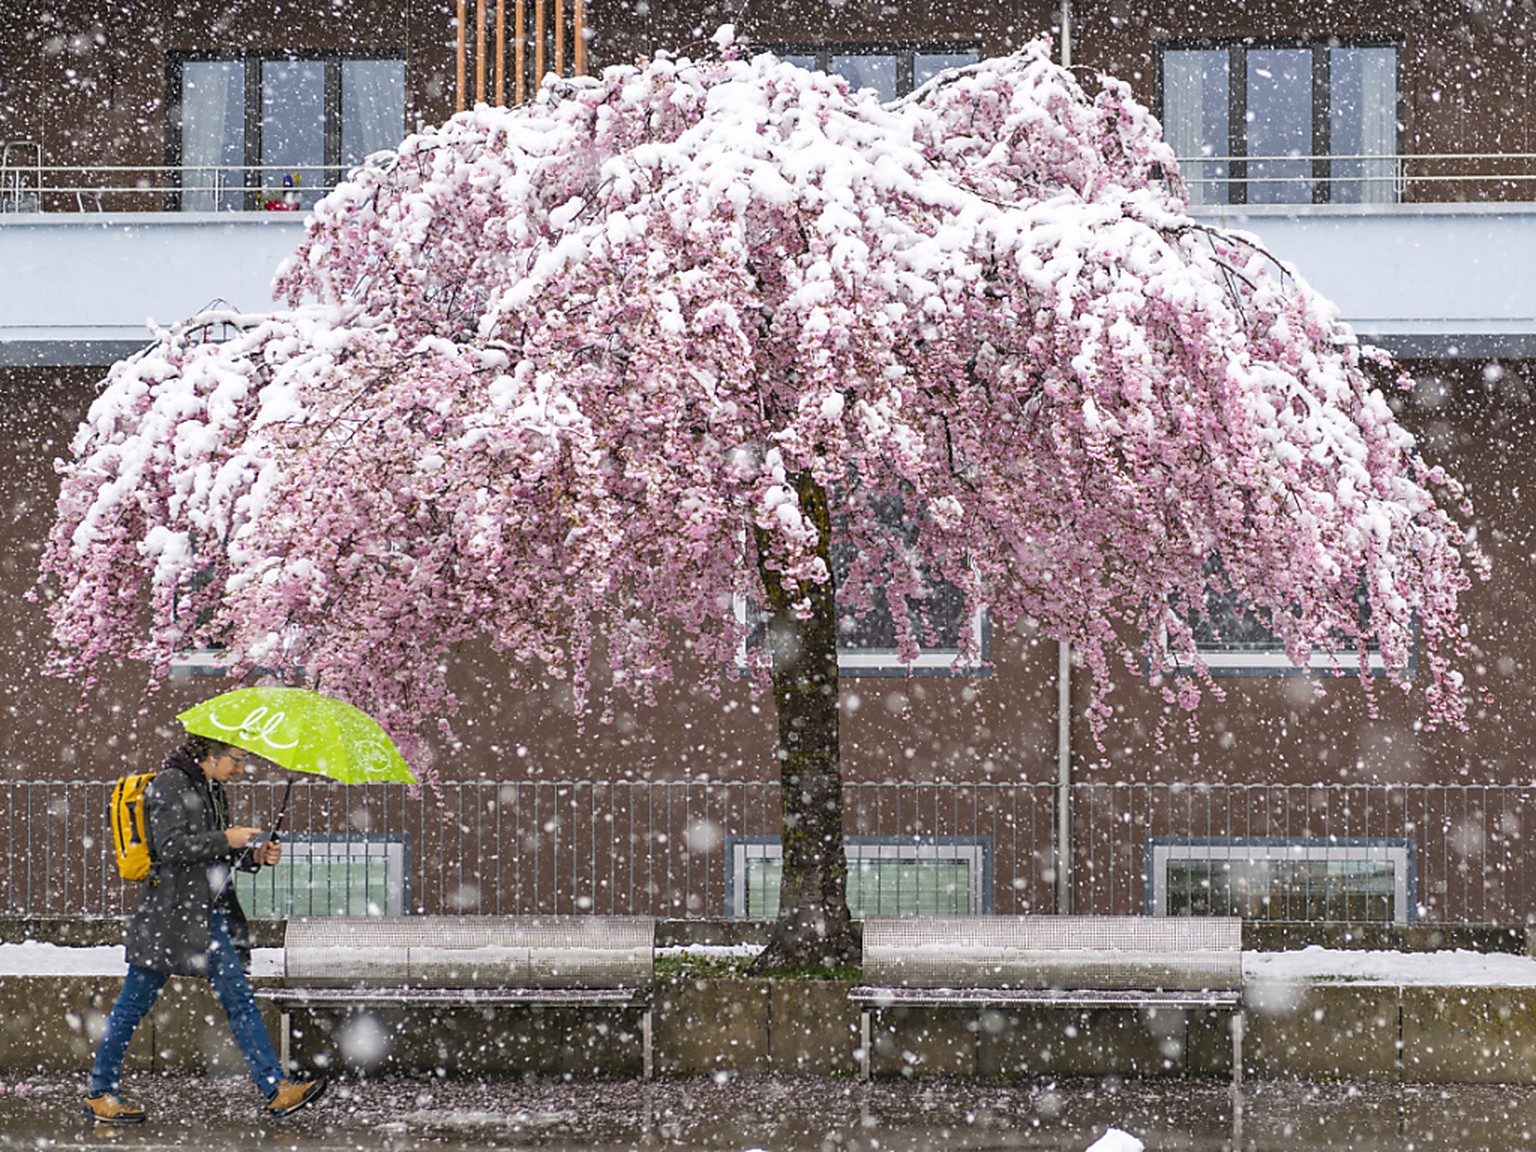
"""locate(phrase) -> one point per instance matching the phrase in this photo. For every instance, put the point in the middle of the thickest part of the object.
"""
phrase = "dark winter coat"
(185, 815)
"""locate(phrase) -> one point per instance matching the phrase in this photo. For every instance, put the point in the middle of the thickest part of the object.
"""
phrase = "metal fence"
(27, 184)
(1430, 853)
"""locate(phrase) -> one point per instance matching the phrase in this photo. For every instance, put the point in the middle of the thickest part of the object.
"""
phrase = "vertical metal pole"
(1064, 779)
(648, 1066)
(864, 1042)
(579, 40)
(1066, 33)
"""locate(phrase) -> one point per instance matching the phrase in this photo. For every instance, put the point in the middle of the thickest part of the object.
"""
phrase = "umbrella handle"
(282, 811)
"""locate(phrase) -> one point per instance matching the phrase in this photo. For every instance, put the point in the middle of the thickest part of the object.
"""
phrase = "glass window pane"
(293, 129)
(927, 65)
(1197, 119)
(212, 135)
(1362, 123)
(1279, 125)
(372, 108)
(937, 620)
(861, 71)
(889, 881)
(806, 62)
(1296, 883)
(328, 877)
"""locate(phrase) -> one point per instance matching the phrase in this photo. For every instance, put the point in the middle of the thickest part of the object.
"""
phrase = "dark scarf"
(180, 760)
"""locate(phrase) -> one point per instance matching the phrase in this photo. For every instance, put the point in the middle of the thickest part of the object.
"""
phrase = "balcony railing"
(1368, 179)
(29, 185)
(38, 187)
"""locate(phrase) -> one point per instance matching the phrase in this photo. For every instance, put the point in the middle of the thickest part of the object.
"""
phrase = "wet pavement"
(782, 1114)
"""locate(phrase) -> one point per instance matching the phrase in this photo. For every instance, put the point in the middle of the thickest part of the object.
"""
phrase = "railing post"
(1064, 779)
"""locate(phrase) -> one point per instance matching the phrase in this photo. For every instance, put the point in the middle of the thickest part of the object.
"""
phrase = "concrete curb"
(1375, 1033)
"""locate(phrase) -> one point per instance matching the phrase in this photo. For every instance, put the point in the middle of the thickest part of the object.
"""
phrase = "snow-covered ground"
(1451, 968)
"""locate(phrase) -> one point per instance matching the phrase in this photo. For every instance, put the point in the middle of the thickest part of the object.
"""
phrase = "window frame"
(905, 52)
(975, 851)
(1232, 658)
(887, 661)
(1321, 178)
(254, 63)
(1401, 852)
(263, 894)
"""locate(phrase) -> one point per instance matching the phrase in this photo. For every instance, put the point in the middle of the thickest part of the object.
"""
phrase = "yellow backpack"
(130, 839)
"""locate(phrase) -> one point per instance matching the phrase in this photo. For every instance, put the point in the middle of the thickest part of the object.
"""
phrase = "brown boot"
(291, 1095)
(109, 1108)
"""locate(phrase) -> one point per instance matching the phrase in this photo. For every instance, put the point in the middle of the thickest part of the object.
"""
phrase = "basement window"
(887, 876)
(358, 875)
(1283, 879)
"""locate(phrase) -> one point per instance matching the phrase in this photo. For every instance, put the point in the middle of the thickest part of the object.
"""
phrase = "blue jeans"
(142, 988)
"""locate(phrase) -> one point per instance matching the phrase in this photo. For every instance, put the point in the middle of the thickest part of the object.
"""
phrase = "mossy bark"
(813, 927)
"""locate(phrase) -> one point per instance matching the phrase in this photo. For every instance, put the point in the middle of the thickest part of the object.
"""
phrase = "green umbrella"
(302, 731)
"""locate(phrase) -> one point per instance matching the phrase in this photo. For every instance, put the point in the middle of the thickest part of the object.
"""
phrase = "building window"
(1292, 122)
(866, 640)
(360, 875)
(890, 71)
(887, 876)
(866, 646)
(1265, 878)
(249, 132)
(1233, 640)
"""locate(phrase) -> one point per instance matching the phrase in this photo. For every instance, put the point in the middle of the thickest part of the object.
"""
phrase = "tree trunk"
(814, 927)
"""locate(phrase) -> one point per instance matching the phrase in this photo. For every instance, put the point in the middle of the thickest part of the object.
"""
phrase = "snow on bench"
(468, 961)
(1067, 961)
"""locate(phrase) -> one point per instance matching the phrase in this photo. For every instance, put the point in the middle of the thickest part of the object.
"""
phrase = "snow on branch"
(552, 375)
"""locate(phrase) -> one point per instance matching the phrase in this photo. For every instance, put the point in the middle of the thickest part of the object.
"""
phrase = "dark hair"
(201, 747)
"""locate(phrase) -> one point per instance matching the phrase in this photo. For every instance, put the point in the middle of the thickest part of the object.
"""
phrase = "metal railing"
(674, 849)
(29, 185)
(1365, 178)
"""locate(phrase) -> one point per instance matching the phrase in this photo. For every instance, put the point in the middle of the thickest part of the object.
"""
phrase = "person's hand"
(239, 837)
(269, 853)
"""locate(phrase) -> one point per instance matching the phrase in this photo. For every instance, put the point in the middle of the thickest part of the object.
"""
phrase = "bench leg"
(645, 1039)
(864, 1042)
(1237, 1048)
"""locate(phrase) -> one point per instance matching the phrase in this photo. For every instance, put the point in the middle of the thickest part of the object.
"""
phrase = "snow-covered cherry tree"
(580, 378)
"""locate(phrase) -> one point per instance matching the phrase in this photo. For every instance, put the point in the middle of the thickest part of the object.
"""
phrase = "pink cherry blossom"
(572, 377)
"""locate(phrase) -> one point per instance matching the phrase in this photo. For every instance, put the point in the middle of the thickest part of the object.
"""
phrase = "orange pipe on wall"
(479, 51)
(559, 66)
(459, 99)
(501, 53)
(538, 42)
(520, 48)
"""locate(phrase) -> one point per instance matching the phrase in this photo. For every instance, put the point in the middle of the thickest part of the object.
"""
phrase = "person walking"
(188, 922)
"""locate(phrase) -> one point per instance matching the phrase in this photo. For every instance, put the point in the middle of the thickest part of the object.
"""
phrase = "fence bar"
(677, 848)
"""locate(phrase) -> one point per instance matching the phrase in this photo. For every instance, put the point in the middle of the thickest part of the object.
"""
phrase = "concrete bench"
(467, 961)
(1066, 961)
